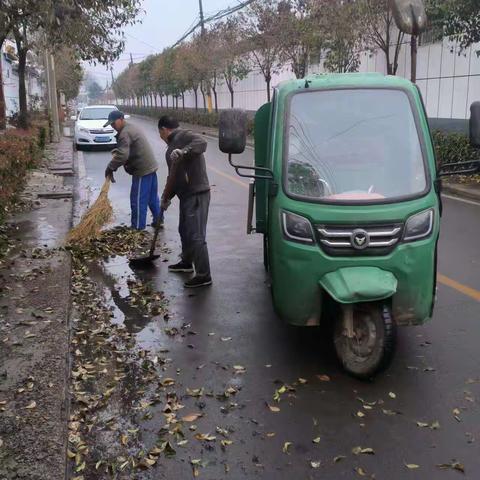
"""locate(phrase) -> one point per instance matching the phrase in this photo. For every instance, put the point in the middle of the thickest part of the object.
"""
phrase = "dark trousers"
(193, 229)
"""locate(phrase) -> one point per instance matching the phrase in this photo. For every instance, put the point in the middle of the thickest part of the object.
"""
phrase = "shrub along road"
(226, 387)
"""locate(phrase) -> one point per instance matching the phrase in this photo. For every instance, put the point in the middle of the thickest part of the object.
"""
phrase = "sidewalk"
(34, 331)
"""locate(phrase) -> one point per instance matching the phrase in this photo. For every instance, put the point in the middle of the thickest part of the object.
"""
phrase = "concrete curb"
(462, 191)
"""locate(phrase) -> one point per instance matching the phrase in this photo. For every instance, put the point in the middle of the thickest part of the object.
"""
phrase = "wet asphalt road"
(435, 371)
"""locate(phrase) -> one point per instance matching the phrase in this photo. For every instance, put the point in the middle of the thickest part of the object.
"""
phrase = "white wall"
(449, 81)
(35, 86)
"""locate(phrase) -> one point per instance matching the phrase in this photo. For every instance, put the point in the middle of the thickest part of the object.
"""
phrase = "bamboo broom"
(94, 219)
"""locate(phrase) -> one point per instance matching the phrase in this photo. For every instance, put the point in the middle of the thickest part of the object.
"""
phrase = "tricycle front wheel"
(365, 338)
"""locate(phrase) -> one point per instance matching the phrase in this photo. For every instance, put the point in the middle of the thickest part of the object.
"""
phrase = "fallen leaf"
(273, 409)
(31, 405)
(205, 436)
(339, 458)
(225, 339)
(412, 466)
(192, 417)
(315, 464)
(239, 368)
(316, 440)
(422, 424)
(360, 414)
(1, 443)
(302, 381)
(271, 434)
(392, 395)
(363, 451)
(323, 378)
(286, 447)
(360, 471)
(454, 466)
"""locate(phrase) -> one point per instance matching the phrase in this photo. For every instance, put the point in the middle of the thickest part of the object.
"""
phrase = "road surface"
(434, 379)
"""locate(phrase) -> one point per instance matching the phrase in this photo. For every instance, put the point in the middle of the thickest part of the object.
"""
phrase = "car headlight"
(419, 225)
(84, 130)
(297, 228)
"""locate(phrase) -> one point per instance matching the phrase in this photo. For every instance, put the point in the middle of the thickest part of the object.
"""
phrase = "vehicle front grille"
(359, 239)
(100, 132)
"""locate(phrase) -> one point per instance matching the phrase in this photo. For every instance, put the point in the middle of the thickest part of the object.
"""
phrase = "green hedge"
(455, 147)
(187, 115)
(19, 151)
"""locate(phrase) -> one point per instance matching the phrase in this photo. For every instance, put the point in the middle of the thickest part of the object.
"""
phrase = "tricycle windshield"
(353, 145)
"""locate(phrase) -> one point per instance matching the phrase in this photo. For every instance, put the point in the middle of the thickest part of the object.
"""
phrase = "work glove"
(176, 154)
(165, 203)
(109, 174)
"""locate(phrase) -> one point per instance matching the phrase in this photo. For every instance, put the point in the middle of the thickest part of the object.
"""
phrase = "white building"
(34, 82)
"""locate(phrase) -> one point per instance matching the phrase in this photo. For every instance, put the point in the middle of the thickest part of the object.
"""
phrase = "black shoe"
(182, 267)
(198, 281)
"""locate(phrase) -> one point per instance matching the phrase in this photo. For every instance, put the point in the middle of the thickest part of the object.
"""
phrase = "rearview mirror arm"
(268, 173)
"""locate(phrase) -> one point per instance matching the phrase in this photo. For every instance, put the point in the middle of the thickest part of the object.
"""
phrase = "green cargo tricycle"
(347, 197)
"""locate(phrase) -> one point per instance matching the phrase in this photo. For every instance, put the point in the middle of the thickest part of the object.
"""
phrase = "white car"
(89, 127)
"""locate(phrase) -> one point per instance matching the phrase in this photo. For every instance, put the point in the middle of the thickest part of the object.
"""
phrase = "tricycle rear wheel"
(371, 347)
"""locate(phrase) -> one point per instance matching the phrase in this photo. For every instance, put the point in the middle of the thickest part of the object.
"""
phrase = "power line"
(217, 16)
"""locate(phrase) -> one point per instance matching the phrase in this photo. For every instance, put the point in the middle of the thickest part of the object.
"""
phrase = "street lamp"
(411, 18)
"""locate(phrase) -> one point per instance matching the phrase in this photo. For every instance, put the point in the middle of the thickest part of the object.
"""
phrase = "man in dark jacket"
(134, 153)
(188, 180)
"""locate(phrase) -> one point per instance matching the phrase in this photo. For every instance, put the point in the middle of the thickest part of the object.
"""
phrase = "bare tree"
(301, 33)
(260, 29)
(345, 37)
(234, 64)
(381, 31)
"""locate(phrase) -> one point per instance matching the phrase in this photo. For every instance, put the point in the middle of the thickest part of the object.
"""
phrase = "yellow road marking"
(459, 287)
(229, 177)
(444, 280)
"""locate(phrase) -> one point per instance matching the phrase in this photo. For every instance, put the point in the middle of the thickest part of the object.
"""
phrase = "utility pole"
(52, 94)
(113, 81)
(202, 29)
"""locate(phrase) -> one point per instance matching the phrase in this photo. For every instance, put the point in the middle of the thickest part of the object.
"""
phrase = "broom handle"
(154, 241)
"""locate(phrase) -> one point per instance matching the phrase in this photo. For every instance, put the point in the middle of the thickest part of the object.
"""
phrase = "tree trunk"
(230, 88)
(268, 79)
(161, 101)
(183, 100)
(156, 101)
(167, 101)
(22, 88)
(195, 91)
(203, 96)
(3, 117)
(215, 97)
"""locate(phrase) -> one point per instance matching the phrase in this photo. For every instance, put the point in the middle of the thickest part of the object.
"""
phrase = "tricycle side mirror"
(410, 16)
(232, 131)
(475, 124)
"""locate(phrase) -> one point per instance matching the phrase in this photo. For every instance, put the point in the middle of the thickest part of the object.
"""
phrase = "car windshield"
(95, 113)
(353, 145)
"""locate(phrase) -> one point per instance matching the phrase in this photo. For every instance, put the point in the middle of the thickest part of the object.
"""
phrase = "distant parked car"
(89, 129)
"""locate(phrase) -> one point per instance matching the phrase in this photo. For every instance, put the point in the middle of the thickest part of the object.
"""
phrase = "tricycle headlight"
(297, 228)
(419, 226)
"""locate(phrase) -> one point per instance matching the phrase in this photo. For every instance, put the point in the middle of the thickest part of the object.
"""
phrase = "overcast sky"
(163, 23)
